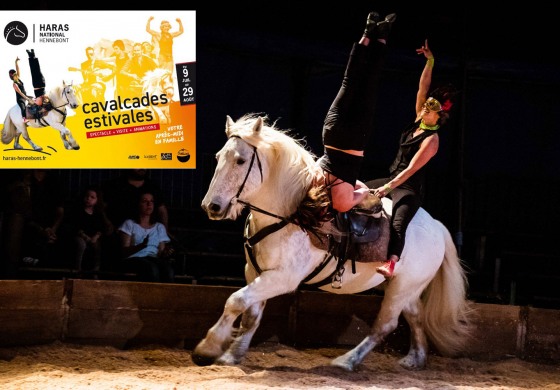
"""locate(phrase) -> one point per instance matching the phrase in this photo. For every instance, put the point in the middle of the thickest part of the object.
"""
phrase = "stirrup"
(387, 269)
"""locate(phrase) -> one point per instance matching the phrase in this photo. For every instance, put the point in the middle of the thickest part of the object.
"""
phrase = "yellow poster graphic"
(98, 89)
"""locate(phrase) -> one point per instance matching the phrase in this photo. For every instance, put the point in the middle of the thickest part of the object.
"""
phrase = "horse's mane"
(293, 167)
(56, 91)
(289, 154)
(55, 94)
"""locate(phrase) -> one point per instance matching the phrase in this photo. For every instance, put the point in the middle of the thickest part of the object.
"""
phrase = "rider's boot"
(371, 24)
(34, 110)
(383, 28)
(387, 268)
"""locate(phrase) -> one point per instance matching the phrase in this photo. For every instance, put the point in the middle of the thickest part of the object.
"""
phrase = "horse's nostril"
(214, 207)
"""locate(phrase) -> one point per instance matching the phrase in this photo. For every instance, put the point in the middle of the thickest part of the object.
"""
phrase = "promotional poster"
(98, 89)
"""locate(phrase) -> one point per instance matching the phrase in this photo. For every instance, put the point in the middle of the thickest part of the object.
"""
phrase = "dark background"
(496, 174)
(495, 181)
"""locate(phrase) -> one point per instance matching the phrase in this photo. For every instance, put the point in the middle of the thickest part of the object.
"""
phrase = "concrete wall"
(126, 314)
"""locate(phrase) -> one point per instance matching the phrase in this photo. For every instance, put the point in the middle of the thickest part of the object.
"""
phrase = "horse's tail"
(447, 311)
(9, 130)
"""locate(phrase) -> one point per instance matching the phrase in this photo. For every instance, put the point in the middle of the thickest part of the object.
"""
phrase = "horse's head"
(158, 81)
(166, 84)
(258, 165)
(69, 96)
(238, 173)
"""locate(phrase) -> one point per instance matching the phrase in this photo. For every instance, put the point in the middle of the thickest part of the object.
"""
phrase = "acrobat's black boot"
(371, 24)
(34, 110)
(31, 53)
(384, 27)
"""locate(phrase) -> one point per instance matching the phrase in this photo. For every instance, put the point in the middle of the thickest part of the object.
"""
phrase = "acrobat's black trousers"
(37, 77)
(349, 121)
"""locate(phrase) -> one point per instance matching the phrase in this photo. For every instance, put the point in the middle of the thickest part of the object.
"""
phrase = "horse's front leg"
(66, 136)
(72, 141)
(220, 337)
(250, 321)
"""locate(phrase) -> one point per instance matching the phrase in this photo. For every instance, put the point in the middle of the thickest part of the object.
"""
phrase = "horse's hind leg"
(385, 323)
(250, 321)
(33, 144)
(417, 356)
(27, 138)
(17, 145)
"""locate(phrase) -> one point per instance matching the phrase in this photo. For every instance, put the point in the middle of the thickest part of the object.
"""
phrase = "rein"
(250, 242)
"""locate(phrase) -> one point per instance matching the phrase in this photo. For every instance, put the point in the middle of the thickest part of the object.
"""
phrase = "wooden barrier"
(127, 314)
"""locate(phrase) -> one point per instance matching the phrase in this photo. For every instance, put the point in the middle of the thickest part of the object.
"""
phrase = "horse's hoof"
(412, 364)
(341, 362)
(37, 148)
(18, 147)
(228, 359)
(201, 360)
(76, 148)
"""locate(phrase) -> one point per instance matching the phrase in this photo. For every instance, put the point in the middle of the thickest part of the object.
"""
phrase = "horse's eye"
(240, 161)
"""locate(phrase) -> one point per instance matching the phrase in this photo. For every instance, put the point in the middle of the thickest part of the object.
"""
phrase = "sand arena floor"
(267, 366)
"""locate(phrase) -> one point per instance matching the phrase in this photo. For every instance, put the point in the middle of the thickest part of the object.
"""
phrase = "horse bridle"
(258, 236)
(65, 94)
(250, 242)
(57, 109)
(236, 199)
(255, 155)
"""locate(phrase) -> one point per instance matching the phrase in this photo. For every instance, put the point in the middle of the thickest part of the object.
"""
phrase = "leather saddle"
(360, 234)
(33, 111)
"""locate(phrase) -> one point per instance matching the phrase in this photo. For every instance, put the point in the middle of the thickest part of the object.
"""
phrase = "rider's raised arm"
(425, 78)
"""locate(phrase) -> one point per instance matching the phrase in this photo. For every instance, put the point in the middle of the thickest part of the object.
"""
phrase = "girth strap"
(250, 242)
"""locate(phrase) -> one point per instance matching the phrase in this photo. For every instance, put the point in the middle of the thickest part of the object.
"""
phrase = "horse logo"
(15, 33)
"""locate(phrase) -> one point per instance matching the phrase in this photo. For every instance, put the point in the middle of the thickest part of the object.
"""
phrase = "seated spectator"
(34, 217)
(16, 201)
(119, 194)
(89, 224)
(145, 244)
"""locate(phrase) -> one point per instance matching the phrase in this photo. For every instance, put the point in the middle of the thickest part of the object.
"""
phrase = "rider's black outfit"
(407, 197)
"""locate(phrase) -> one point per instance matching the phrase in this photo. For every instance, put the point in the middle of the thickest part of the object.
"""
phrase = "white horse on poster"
(60, 98)
(266, 170)
(160, 82)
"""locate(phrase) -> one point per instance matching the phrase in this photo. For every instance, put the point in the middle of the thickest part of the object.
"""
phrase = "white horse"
(265, 169)
(60, 97)
(157, 82)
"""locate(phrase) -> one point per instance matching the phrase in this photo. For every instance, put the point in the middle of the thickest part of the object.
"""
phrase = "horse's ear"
(229, 124)
(258, 125)
(63, 83)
